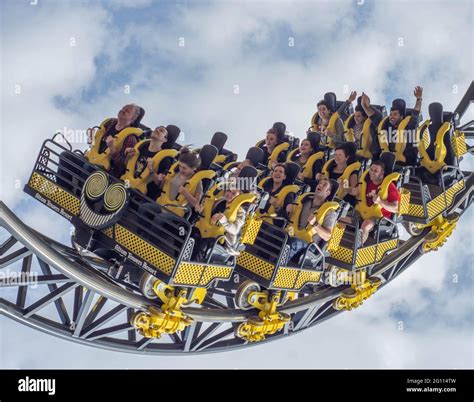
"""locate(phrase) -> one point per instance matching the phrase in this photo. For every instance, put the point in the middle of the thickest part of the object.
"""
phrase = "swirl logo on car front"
(102, 203)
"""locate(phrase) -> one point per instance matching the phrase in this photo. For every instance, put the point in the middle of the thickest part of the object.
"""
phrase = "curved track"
(60, 292)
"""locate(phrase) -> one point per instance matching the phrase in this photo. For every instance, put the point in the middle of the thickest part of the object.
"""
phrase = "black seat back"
(173, 134)
(409, 112)
(218, 140)
(255, 155)
(137, 121)
(330, 98)
(381, 108)
(347, 111)
(435, 111)
(280, 129)
(249, 173)
(400, 104)
(388, 158)
(315, 139)
(350, 148)
(334, 188)
(207, 154)
(291, 172)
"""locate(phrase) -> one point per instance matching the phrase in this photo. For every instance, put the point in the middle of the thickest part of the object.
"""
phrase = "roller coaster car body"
(350, 254)
(429, 200)
(266, 256)
(107, 210)
(265, 260)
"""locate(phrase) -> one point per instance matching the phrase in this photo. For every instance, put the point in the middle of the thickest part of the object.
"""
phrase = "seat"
(103, 159)
(167, 154)
(254, 154)
(375, 211)
(311, 255)
(204, 174)
(224, 156)
(293, 224)
(398, 146)
(269, 212)
(434, 145)
(366, 143)
(206, 230)
(353, 166)
(330, 98)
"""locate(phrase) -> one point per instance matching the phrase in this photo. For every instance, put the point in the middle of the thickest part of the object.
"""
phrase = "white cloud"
(51, 55)
(246, 44)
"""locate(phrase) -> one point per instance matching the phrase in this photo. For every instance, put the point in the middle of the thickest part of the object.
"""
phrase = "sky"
(237, 67)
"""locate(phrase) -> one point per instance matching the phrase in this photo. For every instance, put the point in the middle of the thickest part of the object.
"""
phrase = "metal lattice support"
(57, 290)
(63, 293)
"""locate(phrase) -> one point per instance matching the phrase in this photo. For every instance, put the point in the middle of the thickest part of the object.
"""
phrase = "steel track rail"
(65, 260)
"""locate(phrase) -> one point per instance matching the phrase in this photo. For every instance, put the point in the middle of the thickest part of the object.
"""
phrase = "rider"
(322, 123)
(341, 157)
(158, 138)
(273, 186)
(308, 217)
(273, 138)
(125, 118)
(187, 165)
(389, 206)
(127, 115)
(397, 114)
(232, 230)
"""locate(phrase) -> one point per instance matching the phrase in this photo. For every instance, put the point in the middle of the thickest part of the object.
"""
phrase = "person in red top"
(389, 206)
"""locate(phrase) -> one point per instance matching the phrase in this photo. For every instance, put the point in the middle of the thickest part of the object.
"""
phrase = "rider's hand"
(110, 141)
(215, 218)
(352, 96)
(149, 164)
(130, 152)
(418, 92)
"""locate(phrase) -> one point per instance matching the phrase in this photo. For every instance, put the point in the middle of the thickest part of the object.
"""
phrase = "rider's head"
(128, 114)
(271, 139)
(324, 187)
(159, 134)
(279, 173)
(377, 171)
(188, 162)
(324, 109)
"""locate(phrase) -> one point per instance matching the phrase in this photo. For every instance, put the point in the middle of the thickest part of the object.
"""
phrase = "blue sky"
(338, 46)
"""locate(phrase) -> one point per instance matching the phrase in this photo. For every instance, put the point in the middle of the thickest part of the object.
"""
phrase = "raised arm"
(342, 109)
(413, 123)
(418, 92)
(374, 115)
